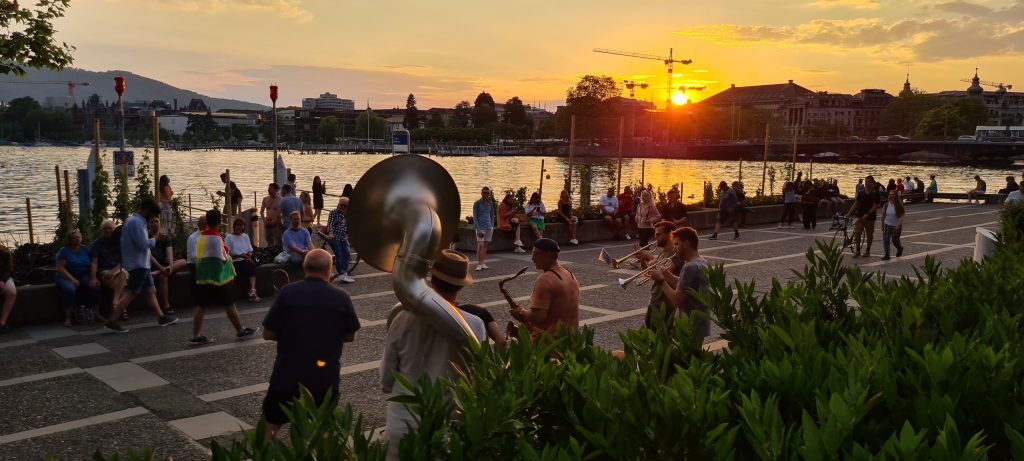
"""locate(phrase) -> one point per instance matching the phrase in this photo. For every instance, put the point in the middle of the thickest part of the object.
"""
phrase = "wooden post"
(190, 208)
(618, 175)
(643, 173)
(96, 128)
(572, 147)
(256, 204)
(541, 188)
(60, 196)
(67, 196)
(31, 230)
(156, 151)
(792, 172)
(810, 172)
(227, 199)
(764, 168)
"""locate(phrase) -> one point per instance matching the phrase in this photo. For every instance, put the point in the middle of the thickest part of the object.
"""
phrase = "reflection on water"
(28, 172)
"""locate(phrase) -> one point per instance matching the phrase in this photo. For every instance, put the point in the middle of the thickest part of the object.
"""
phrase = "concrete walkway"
(67, 392)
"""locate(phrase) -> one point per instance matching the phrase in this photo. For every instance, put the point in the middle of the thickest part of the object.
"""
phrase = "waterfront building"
(1005, 108)
(800, 109)
(328, 102)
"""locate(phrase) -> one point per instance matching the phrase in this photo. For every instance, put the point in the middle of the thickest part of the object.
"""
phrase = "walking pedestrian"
(240, 249)
(535, 211)
(337, 237)
(508, 222)
(866, 209)
(647, 216)
(809, 201)
(214, 276)
(135, 257)
(270, 211)
(319, 189)
(788, 205)
(311, 320)
(413, 349)
(483, 226)
(8, 292)
(892, 224)
(727, 202)
(566, 217)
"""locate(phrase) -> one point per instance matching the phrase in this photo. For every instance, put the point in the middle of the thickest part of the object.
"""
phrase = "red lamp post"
(273, 102)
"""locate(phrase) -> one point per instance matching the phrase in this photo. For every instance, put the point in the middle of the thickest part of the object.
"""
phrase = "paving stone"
(29, 359)
(209, 425)
(169, 402)
(126, 376)
(56, 400)
(81, 350)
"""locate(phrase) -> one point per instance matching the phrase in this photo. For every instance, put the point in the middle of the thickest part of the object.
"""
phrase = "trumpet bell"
(604, 257)
(397, 182)
(624, 283)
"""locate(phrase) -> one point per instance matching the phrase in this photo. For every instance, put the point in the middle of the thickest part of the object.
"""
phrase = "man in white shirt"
(609, 210)
(1014, 198)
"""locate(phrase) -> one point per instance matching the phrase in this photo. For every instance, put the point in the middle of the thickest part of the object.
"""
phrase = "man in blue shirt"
(135, 258)
(296, 242)
(483, 224)
(289, 202)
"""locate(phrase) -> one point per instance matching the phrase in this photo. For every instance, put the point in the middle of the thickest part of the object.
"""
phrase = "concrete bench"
(593, 230)
(42, 303)
(989, 199)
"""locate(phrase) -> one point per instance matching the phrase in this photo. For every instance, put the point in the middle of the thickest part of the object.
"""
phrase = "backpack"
(83, 315)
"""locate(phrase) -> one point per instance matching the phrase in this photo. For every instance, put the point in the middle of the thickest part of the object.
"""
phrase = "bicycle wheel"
(842, 239)
(353, 262)
(319, 240)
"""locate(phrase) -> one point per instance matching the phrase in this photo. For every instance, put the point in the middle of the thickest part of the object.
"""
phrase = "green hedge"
(835, 364)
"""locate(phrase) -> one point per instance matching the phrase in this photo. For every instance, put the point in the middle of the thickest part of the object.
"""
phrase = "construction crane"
(71, 87)
(987, 83)
(683, 89)
(631, 85)
(669, 61)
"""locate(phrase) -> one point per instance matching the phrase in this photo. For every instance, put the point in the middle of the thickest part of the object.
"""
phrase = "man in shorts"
(311, 320)
(214, 275)
(135, 258)
(270, 211)
(483, 224)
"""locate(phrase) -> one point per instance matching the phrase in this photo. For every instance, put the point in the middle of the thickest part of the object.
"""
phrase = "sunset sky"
(446, 51)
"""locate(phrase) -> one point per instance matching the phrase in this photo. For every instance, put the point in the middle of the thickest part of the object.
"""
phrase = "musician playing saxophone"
(556, 294)
(678, 290)
(663, 241)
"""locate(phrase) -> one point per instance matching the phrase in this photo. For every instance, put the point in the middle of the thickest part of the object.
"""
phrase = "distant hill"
(102, 83)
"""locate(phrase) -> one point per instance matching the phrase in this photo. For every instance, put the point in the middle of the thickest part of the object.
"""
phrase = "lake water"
(28, 172)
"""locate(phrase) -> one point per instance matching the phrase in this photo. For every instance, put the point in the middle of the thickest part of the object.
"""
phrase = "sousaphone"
(402, 213)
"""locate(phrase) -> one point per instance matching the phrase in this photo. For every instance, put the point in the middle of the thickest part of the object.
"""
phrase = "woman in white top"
(535, 211)
(892, 224)
(647, 215)
(240, 248)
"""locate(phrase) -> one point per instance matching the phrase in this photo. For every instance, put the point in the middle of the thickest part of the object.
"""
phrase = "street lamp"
(273, 102)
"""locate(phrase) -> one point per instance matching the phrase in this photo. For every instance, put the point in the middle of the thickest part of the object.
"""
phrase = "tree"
(329, 129)
(462, 116)
(143, 183)
(592, 89)
(378, 125)
(122, 199)
(905, 113)
(483, 110)
(587, 100)
(28, 37)
(952, 119)
(412, 114)
(100, 192)
(515, 112)
(203, 127)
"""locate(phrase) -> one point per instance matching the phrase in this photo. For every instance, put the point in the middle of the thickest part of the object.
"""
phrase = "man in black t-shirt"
(866, 209)
(675, 211)
(493, 330)
(310, 320)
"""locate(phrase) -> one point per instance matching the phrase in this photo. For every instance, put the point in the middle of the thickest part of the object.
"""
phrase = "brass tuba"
(403, 211)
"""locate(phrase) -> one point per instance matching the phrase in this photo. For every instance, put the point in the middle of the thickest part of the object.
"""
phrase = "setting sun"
(679, 98)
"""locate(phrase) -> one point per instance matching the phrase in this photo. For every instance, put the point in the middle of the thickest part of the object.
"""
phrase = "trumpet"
(625, 260)
(644, 276)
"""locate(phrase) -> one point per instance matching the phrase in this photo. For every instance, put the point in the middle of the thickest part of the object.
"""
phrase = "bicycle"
(842, 235)
(319, 238)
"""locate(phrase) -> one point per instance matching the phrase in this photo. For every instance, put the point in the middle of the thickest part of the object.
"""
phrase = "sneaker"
(518, 243)
(200, 340)
(346, 279)
(485, 266)
(736, 237)
(574, 242)
(899, 252)
(885, 258)
(628, 237)
(479, 267)
(248, 332)
(169, 311)
(253, 298)
(116, 327)
(519, 249)
(165, 320)
(713, 237)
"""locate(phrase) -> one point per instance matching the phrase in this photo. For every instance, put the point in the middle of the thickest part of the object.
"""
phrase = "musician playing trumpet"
(556, 294)
(663, 243)
(676, 288)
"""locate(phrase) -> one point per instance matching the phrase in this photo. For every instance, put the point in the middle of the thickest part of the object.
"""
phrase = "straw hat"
(452, 267)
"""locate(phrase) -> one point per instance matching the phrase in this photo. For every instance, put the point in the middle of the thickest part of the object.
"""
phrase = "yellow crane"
(669, 61)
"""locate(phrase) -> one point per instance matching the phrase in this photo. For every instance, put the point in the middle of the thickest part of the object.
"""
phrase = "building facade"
(328, 102)
(1005, 108)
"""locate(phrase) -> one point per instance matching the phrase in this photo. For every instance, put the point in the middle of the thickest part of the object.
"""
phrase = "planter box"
(596, 230)
(42, 303)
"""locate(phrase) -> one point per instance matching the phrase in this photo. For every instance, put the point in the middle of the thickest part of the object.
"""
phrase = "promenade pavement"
(69, 392)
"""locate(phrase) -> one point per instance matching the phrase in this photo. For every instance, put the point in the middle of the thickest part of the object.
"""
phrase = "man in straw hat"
(415, 349)
(556, 294)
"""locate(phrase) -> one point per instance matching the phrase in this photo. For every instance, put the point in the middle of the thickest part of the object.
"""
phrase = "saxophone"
(511, 330)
